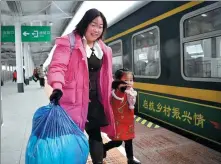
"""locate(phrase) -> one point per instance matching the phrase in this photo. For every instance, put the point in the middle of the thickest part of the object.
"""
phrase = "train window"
(117, 52)
(146, 53)
(201, 44)
(203, 23)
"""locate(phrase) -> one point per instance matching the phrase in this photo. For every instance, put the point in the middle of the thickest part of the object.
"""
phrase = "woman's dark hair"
(88, 17)
(120, 72)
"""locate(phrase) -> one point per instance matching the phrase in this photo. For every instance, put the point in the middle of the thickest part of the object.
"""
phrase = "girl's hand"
(131, 97)
(118, 83)
(122, 85)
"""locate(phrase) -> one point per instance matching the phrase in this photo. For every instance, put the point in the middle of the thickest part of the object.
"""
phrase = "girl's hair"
(120, 72)
(88, 17)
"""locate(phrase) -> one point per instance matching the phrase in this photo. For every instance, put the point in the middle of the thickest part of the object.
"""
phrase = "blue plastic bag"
(55, 139)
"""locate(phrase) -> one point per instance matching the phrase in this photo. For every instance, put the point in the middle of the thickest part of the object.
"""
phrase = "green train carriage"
(174, 50)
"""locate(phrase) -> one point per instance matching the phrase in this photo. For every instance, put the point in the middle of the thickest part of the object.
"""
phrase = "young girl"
(123, 101)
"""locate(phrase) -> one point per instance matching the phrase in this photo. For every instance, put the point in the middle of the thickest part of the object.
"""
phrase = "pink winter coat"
(70, 74)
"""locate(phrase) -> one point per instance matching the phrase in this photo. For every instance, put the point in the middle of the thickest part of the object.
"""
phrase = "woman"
(82, 80)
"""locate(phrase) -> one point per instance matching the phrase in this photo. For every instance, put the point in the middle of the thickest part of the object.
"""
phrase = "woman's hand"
(56, 96)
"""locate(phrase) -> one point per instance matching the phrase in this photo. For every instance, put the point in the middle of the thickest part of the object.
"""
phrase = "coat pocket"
(69, 74)
(69, 93)
(70, 84)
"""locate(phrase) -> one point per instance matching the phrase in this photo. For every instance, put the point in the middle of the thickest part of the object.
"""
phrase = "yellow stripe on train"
(200, 94)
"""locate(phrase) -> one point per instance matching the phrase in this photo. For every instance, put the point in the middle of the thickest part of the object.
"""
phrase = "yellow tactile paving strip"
(145, 122)
(114, 156)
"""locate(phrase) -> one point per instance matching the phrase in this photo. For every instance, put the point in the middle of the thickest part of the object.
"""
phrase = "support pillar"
(6, 71)
(1, 121)
(26, 63)
(18, 51)
(30, 64)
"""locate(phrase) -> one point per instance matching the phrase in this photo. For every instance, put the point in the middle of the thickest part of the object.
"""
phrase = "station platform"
(152, 145)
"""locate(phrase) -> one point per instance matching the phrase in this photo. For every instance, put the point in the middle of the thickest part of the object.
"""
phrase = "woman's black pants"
(95, 145)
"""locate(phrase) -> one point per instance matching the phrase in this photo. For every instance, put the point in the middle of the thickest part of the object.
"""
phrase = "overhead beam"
(29, 18)
(8, 60)
(13, 53)
(11, 59)
(15, 7)
(7, 46)
(7, 52)
(76, 5)
(4, 12)
(44, 17)
(19, 8)
(12, 6)
(47, 12)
